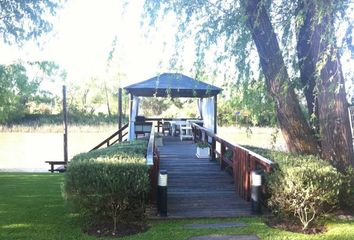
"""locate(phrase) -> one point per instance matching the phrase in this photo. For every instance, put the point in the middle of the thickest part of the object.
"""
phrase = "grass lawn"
(31, 207)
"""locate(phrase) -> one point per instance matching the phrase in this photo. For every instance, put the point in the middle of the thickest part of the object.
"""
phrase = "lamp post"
(162, 193)
(256, 192)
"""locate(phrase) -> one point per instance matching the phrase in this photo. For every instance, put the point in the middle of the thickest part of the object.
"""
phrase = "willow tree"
(246, 26)
(323, 81)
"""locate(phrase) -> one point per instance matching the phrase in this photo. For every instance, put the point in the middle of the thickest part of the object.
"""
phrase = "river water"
(29, 151)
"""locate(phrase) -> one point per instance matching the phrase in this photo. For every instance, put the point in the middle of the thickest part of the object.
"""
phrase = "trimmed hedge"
(109, 184)
(303, 186)
(306, 189)
(136, 148)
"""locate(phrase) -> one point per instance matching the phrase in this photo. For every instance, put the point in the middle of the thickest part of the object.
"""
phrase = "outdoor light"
(163, 178)
(256, 181)
(162, 193)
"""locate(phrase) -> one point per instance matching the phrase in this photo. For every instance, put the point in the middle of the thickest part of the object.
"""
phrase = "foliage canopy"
(305, 62)
(19, 89)
(23, 20)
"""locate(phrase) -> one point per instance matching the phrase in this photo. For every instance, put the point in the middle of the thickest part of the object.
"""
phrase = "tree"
(295, 128)
(153, 106)
(246, 103)
(18, 89)
(245, 25)
(323, 81)
(13, 81)
(23, 20)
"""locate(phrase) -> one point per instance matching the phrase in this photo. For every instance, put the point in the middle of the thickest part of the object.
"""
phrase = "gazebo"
(175, 85)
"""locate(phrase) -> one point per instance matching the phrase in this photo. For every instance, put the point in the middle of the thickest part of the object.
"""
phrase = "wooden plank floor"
(197, 187)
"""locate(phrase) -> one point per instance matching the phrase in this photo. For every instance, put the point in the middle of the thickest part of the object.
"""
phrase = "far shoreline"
(57, 128)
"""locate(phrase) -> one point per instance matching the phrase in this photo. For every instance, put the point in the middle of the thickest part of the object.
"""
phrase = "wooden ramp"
(197, 187)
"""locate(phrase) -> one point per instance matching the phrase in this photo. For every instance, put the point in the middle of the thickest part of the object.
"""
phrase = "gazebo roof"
(173, 85)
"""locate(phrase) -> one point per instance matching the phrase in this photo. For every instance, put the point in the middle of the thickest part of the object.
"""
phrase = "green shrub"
(121, 151)
(346, 198)
(304, 187)
(108, 184)
(281, 158)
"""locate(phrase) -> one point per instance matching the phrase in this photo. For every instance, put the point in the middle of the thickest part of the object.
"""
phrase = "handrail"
(106, 141)
(219, 139)
(242, 163)
(151, 148)
(153, 163)
(119, 140)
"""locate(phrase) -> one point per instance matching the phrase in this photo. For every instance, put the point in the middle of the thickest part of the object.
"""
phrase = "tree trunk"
(107, 98)
(307, 64)
(295, 129)
(84, 98)
(321, 66)
(335, 132)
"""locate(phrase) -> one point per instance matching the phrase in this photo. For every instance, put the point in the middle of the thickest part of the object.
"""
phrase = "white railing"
(151, 148)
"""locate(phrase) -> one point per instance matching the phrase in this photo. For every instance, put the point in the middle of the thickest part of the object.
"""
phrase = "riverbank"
(53, 123)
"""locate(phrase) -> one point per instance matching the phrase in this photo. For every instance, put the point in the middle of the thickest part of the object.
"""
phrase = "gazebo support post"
(215, 113)
(65, 123)
(213, 144)
(201, 108)
(120, 112)
(130, 112)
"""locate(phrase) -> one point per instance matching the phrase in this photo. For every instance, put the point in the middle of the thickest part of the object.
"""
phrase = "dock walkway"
(197, 187)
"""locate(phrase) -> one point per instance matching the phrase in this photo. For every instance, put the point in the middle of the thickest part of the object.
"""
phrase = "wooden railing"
(153, 162)
(241, 160)
(119, 135)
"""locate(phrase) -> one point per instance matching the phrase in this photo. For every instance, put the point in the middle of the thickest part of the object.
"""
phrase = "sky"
(82, 39)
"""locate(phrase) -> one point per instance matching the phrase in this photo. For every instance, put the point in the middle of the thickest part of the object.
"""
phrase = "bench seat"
(53, 163)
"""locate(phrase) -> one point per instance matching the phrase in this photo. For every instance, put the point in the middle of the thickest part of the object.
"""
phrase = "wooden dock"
(197, 187)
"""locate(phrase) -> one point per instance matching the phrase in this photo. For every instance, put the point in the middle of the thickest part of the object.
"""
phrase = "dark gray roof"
(173, 85)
